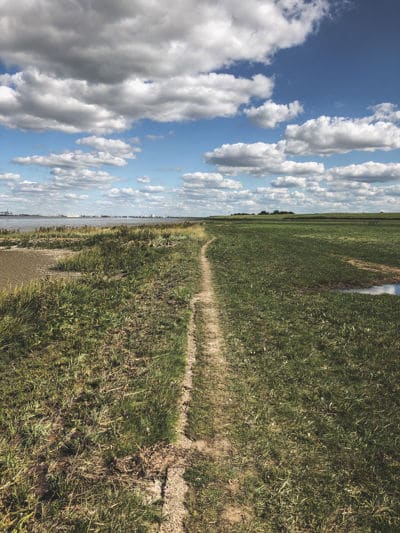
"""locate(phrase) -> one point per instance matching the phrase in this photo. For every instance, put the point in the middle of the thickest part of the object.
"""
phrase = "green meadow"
(314, 416)
(92, 370)
(91, 373)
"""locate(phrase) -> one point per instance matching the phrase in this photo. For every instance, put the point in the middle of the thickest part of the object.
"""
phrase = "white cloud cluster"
(370, 172)
(329, 135)
(113, 152)
(75, 159)
(271, 114)
(98, 66)
(108, 42)
(112, 146)
(75, 169)
(289, 182)
(259, 159)
(33, 100)
(387, 112)
(208, 181)
(144, 179)
(9, 177)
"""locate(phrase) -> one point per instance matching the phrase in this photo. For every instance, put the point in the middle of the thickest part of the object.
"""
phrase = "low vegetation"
(314, 381)
(91, 372)
(301, 431)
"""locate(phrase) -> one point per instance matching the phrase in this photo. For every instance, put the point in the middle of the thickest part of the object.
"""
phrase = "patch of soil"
(19, 266)
(374, 267)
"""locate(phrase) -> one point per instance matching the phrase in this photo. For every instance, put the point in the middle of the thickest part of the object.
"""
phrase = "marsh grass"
(315, 395)
(91, 372)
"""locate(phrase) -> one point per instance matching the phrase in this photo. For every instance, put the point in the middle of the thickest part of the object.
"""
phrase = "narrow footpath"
(204, 309)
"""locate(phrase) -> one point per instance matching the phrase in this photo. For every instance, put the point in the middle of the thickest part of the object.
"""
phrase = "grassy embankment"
(314, 416)
(91, 371)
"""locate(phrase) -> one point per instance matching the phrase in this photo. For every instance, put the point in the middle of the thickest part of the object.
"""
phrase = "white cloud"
(289, 181)
(65, 179)
(144, 179)
(209, 180)
(123, 192)
(98, 66)
(259, 159)
(368, 172)
(9, 177)
(387, 112)
(105, 42)
(271, 114)
(153, 188)
(82, 178)
(112, 146)
(74, 196)
(75, 159)
(329, 135)
(33, 100)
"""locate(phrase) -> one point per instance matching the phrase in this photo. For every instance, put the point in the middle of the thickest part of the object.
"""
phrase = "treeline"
(276, 212)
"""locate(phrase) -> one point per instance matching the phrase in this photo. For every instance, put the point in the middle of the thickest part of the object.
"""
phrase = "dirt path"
(212, 347)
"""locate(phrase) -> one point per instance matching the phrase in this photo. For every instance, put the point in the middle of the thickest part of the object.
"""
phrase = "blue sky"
(199, 108)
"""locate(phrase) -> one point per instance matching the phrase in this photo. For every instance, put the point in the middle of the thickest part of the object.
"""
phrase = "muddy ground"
(19, 266)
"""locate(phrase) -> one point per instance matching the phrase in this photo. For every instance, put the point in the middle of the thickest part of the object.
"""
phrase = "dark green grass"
(91, 372)
(316, 406)
(354, 217)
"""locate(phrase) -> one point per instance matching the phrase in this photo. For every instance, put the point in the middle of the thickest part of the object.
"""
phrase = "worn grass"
(315, 414)
(91, 372)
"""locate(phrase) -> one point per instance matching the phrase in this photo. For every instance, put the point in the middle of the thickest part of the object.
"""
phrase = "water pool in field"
(390, 288)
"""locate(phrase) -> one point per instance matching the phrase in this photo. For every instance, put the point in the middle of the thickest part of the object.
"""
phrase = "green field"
(91, 373)
(314, 381)
(308, 408)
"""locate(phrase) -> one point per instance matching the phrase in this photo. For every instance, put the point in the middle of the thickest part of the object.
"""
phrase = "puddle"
(19, 266)
(392, 288)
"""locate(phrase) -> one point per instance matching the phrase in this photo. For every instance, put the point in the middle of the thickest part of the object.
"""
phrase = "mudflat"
(19, 266)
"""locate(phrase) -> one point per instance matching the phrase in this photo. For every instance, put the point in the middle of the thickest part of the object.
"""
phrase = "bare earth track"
(175, 488)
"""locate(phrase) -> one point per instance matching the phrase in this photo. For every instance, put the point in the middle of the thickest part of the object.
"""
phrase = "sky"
(199, 107)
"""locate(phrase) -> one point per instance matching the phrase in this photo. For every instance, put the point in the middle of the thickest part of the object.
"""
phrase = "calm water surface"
(392, 288)
(31, 223)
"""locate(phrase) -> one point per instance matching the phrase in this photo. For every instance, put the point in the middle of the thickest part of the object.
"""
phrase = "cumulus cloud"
(33, 100)
(97, 66)
(144, 179)
(74, 196)
(75, 159)
(105, 42)
(271, 114)
(209, 180)
(65, 179)
(9, 177)
(112, 146)
(123, 192)
(368, 172)
(289, 181)
(82, 178)
(114, 152)
(387, 112)
(153, 188)
(328, 135)
(259, 159)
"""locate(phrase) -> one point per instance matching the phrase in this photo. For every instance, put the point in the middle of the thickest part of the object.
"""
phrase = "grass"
(315, 411)
(91, 375)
